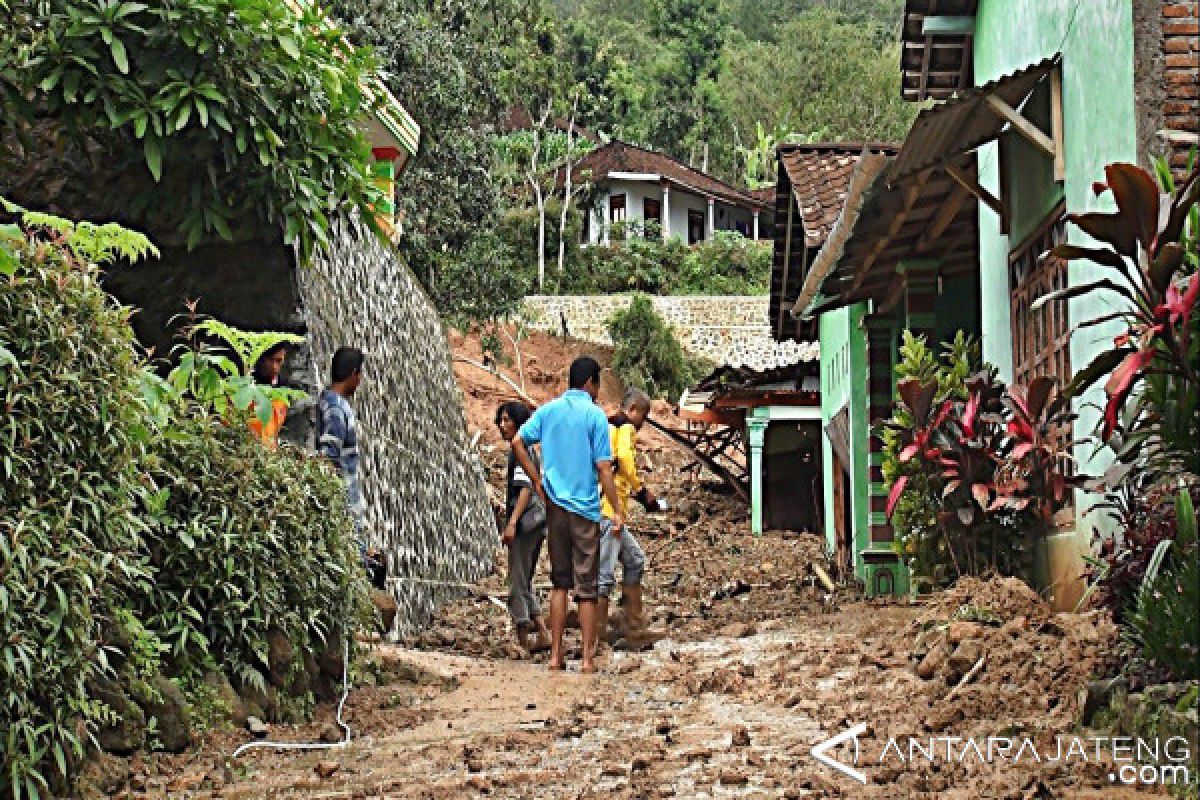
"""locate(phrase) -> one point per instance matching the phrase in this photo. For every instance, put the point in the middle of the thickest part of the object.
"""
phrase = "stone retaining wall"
(726, 329)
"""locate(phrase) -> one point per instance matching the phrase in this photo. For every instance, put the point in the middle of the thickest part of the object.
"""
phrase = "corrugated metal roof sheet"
(963, 122)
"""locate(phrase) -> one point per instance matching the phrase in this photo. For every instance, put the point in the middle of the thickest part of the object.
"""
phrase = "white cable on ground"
(313, 745)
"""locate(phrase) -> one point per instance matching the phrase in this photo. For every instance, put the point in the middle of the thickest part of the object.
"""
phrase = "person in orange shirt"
(266, 373)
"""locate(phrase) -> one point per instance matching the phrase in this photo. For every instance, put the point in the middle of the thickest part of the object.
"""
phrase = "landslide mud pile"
(987, 649)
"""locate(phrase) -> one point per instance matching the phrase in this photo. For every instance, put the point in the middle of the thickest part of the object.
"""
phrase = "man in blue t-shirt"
(577, 461)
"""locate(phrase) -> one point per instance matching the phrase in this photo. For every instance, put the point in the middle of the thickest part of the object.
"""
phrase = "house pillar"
(605, 223)
(879, 405)
(757, 425)
(666, 212)
(756, 225)
(383, 171)
(920, 298)
(711, 223)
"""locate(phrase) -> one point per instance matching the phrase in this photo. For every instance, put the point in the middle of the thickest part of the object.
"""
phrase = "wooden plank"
(787, 255)
(926, 57)
(1022, 126)
(948, 25)
(910, 198)
(717, 469)
(1056, 123)
(945, 215)
(982, 194)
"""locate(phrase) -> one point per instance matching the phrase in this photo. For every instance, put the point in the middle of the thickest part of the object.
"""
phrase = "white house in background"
(635, 185)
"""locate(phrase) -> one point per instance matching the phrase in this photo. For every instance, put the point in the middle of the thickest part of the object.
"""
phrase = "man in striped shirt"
(337, 431)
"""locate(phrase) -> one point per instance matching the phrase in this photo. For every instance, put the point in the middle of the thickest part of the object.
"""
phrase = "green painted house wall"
(1096, 40)
(844, 385)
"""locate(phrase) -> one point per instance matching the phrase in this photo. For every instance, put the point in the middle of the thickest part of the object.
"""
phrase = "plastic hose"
(313, 745)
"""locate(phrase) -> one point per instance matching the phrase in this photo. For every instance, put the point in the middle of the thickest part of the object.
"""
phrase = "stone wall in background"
(425, 489)
(724, 329)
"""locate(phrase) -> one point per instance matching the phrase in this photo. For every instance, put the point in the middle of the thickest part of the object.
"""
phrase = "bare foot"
(556, 665)
(587, 668)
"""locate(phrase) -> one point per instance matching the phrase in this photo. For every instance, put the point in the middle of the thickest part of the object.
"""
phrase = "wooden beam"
(947, 25)
(983, 195)
(910, 199)
(926, 58)
(1023, 126)
(895, 293)
(787, 256)
(965, 70)
(1056, 123)
(945, 215)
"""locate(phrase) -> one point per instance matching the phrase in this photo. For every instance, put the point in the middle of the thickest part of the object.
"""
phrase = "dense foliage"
(729, 263)
(987, 460)
(71, 439)
(133, 516)
(646, 353)
(1165, 609)
(243, 540)
(681, 74)
(447, 63)
(239, 112)
(1150, 246)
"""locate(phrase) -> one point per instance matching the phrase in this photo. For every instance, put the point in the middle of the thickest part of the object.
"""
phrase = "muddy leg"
(587, 626)
(558, 624)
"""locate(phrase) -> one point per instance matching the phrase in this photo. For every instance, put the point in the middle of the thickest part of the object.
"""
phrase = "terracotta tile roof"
(618, 156)
(820, 174)
(764, 195)
(517, 118)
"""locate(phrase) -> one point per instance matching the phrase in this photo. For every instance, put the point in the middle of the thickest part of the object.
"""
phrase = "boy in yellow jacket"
(621, 545)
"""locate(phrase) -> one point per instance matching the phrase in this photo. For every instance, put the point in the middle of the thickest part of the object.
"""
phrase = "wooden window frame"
(1041, 340)
(616, 202)
(693, 214)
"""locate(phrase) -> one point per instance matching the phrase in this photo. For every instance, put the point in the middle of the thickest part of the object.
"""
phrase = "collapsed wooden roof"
(936, 44)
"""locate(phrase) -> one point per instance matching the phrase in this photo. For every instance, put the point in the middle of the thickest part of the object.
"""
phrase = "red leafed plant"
(995, 463)
(1149, 244)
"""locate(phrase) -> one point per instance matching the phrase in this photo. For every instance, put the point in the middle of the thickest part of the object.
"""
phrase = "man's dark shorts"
(574, 544)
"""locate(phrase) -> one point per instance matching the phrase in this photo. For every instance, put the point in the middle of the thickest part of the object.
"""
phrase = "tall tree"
(682, 111)
(445, 61)
(826, 78)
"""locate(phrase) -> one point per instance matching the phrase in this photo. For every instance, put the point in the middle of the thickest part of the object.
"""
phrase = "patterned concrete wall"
(425, 490)
(724, 329)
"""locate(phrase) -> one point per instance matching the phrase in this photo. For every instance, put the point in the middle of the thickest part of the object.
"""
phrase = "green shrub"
(646, 353)
(137, 530)
(245, 540)
(71, 438)
(1163, 620)
(517, 228)
(919, 530)
(729, 263)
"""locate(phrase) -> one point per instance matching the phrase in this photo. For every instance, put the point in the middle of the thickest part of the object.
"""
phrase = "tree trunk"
(566, 204)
